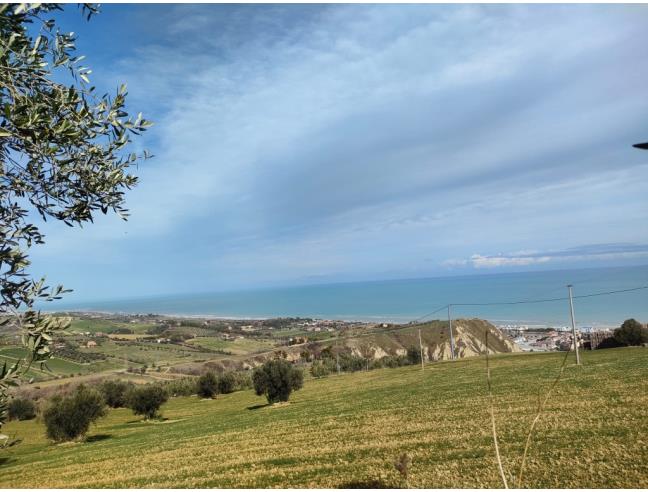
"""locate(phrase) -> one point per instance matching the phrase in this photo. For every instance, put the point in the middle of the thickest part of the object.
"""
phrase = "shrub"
(21, 409)
(181, 387)
(395, 361)
(319, 369)
(351, 363)
(277, 379)
(146, 400)
(631, 332)
(227, 383)
(243, 380)
(207, 385)
(414, 355)
(70, 417)
(114, 392)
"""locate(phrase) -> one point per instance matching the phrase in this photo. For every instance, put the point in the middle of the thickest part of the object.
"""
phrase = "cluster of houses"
(543, 341)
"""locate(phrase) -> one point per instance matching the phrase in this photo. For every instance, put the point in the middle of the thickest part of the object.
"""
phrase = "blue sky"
(302, 143)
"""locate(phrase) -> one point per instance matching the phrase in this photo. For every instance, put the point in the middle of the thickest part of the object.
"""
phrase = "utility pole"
(421, 347)
(337, 353)
(573, 323)
(452, 344)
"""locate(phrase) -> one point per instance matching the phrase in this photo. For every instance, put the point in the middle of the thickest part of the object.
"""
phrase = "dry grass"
(349, 430)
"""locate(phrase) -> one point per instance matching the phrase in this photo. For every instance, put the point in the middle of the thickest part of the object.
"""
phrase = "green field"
(57, 366)
(348, 430)
(235, 347)
(147, 352)
(104, 325)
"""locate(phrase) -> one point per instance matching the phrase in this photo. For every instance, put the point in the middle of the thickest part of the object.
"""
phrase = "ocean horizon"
(402, 301)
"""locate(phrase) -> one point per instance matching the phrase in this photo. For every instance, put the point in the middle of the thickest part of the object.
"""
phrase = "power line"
(554, 299)
(429, 314)
(611, 292)
(528, 301)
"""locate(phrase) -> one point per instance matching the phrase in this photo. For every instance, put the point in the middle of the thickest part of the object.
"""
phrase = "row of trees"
(328, 362)
(68, 417)
(276, 379)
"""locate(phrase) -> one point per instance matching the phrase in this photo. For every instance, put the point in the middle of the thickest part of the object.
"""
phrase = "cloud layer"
(303, 143)
(597, 252)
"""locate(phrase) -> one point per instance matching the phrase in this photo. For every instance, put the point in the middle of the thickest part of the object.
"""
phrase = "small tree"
(21, 409)
(277, 379)
(70, 417)
(207, 385)
(227, 383)
(414, 355)
(146, 400)
(114, 392)
(319, 369)
(631, 332)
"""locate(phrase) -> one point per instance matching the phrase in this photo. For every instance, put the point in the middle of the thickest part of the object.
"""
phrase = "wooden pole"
(421, 347)
(337, 353)
(452, 343)
(573, 323)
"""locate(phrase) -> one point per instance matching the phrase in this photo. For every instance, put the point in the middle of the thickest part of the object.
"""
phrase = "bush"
(320, 369)
(114, 392)
(70, 417)
(414, 355)
(395, 361)
(146, 400)
(631, 332)
(277, 379)
(243, 380)
(181, 387)
(352, 363)
(21, 409)
(227, 383)
(207, 385)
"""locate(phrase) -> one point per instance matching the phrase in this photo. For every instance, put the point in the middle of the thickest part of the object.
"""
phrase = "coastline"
(531, 298)
(500, 323)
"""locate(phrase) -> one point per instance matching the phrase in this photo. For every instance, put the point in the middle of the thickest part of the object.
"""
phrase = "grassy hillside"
(349, 429)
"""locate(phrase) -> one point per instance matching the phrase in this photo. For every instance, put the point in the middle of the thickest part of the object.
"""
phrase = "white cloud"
(364, 139)
(479, 261)
(581, 254)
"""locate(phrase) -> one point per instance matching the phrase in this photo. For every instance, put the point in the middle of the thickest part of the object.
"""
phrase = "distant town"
(539, 339)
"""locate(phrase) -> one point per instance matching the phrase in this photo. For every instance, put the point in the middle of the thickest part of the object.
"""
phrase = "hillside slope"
(469, 335)
(348, 430)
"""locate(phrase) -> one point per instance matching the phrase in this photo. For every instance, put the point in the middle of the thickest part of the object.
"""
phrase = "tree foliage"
(227, 383)
(631, 332)
(68, 418)
(276, 379)
(21, 409)
(207, 386)
(146, 400)
(414, 355)
(63, 156)
(115, 391)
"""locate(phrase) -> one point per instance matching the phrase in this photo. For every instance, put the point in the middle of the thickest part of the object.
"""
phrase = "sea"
(502, 298)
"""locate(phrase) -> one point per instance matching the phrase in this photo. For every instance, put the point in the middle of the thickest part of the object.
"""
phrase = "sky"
(300, 144)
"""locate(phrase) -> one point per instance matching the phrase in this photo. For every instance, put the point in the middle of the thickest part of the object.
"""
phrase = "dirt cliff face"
(470, 336)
